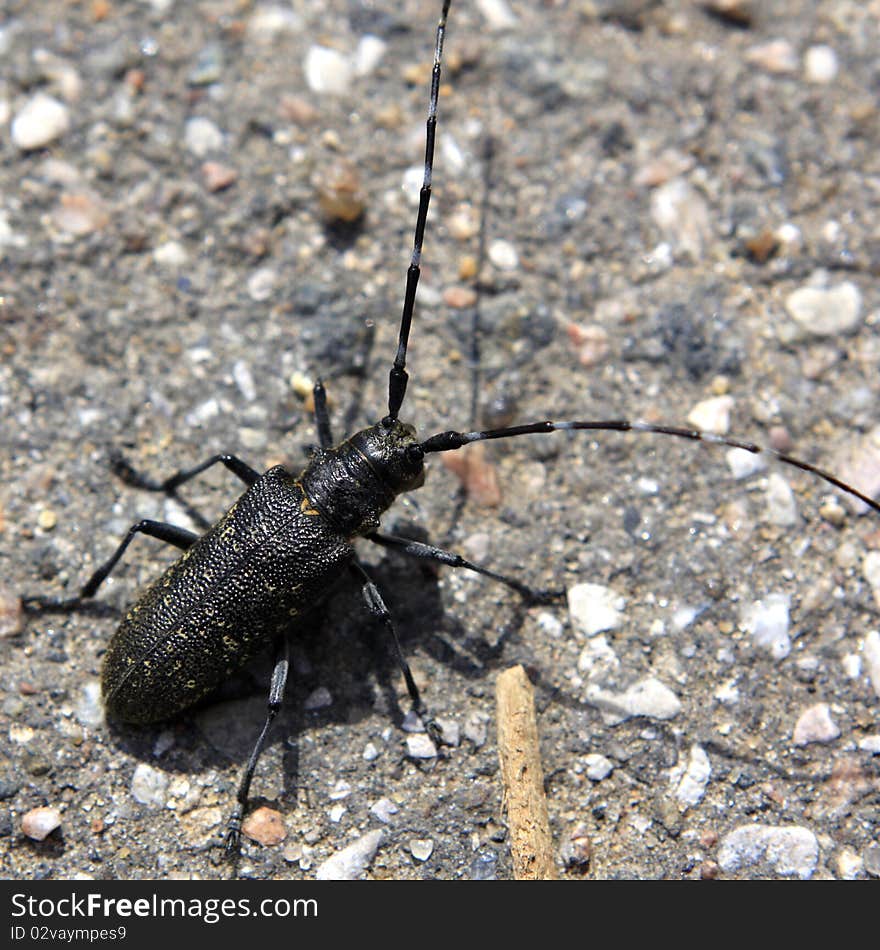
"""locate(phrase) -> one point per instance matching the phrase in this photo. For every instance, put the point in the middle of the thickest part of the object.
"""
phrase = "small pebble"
(791, 851)
(171, 254)
(738, 12)
(320, 698)
(265, 826)
(712, 415)
(815, 725)
(870, 744)
(871, 657)
(597, 767)
(871, 572)
(39, 122)
(577, 850)
(497, 14)
(202, 136)
(781, 505)
(826, 311)
(351, 862)
(743, 464)
(369, 53)
(777, 57)
(861, 466)
(218, 176)
(11, 613)
(682, 215)
(692, 780)
(384, 810)
(80, 213)
(89, 709)
(241, 374)
(39, 823)
(149, 786)
(340, 790)
(328, 71)
(648, 697)
(767, 621)
(341, 195)
(871, 858)
(370, 753)
(503, 255)
(820, 64)
(477, 473)
(261, 284)
(47, 519)
(450, 732)
(421, 848)
(850, 865)
(594, 608)
(420, 746)
(476, 728)
(590, 342)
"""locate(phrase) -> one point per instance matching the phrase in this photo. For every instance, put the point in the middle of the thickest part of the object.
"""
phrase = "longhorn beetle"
(240, 586)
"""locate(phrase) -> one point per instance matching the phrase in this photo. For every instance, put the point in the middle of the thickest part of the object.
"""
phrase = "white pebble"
(743, 464)
(268, 20)
(328, 71)
(777, 56)
(648, 697)
(781, 506)
(170, 254)
(41, 120)
(871, 654)
(39, 823)
(384, 810)
(594, 608)
(340, 790)
(792, 851)
(202, 136)
(815, 725)
(420, 746)
(826, 311)
(712, 415)
(820, 64)
(598, 659)
(870, 744)
(149, 786)
(241, 373)
(598, 766)
(261, 284)
(370, 753)
(368, 54)
(503, 255)
(871, 570)
(691, 779)
(498, 14)
(682, 215)
(767, 621)
(89, 710)
(349, 863)
(421, 848)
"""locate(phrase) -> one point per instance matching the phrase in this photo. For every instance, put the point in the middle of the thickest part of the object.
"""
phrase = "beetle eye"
(415, 453)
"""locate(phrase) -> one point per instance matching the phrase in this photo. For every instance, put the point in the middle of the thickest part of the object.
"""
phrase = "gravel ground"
(665, 179)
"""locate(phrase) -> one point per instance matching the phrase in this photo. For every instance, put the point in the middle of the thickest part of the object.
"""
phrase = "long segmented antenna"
(447, 441)
(398, 377)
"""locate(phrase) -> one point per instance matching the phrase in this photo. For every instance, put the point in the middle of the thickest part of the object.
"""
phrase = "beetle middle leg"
(429, 552)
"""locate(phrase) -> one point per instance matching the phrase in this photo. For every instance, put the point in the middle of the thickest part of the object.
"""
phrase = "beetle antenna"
(449, 441)
(398, 377)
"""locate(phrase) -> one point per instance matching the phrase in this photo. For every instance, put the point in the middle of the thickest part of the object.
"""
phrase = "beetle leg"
(171, 534)
(130, 476)
(377, 608)
(276, 697)
(428, 552)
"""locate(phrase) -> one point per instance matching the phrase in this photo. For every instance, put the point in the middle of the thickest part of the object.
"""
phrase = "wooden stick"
(527, 818)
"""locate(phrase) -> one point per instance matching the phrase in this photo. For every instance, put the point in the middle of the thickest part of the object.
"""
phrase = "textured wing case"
(269, 558)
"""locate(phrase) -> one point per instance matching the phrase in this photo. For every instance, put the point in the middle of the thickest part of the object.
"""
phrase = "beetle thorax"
(352, 484)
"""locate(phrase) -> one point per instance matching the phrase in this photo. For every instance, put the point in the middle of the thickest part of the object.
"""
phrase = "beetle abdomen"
(269, 558)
